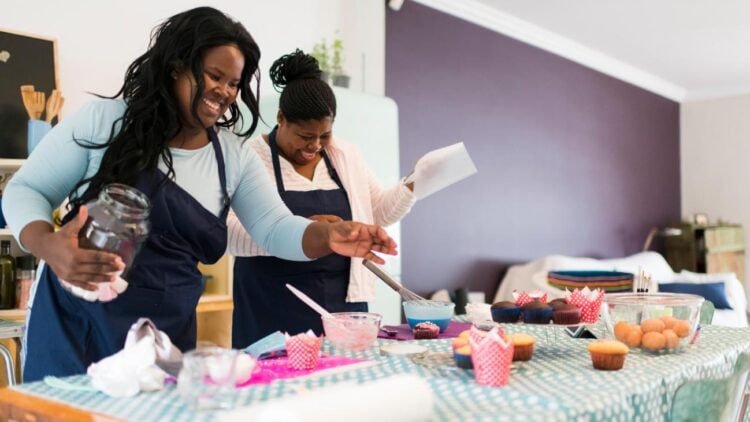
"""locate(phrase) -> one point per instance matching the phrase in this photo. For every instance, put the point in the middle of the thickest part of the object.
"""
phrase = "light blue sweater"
(58, 163)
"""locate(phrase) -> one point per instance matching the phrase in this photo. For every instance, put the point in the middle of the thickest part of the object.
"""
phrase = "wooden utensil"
(54, 104)
(27, 95)
(37, 105)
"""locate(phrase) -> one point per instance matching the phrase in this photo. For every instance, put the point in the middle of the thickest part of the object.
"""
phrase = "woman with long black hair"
(167, 133)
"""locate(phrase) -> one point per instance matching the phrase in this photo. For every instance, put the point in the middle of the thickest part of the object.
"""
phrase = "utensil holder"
(36, 131)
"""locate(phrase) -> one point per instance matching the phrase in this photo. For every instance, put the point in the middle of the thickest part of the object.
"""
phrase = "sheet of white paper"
(441, 168)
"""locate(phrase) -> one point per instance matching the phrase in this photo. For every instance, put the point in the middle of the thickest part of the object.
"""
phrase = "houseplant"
(321, 54)
(339, 77)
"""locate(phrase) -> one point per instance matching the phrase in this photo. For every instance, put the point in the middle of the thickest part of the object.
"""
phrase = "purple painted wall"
(571, 161)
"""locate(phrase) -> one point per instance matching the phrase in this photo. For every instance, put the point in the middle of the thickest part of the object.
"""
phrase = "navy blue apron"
(262, 304)
(66, 333)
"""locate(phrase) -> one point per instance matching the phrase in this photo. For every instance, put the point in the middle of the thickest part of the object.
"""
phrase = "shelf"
(14, 314)
(207, 303)
(11, 162)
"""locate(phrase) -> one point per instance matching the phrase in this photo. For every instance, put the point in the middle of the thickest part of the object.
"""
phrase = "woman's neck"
(193, 138)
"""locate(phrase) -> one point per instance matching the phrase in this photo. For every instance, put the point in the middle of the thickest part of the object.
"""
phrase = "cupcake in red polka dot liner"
(522, 298)
(303, 350)
(589, 301)
(491, 356)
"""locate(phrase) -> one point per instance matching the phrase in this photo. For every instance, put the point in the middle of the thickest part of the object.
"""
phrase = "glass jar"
(25, 276)
(208, 378)
(117, 222)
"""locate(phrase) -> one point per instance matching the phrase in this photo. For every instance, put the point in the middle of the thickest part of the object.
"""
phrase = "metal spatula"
(405, 293)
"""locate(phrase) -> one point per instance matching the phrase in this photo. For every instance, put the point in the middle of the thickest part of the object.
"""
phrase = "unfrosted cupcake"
(505, 311)
(523, 346)
(536, 313)
(608, 355)
(566, 315)
(426, 331)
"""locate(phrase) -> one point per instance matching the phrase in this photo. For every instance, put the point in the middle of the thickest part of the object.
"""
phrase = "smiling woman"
(319, 177)
(167, 133)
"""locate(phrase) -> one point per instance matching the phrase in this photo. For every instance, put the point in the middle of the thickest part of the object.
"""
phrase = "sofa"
(533, 276)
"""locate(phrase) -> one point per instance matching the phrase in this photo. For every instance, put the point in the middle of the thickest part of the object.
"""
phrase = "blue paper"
(271, 345)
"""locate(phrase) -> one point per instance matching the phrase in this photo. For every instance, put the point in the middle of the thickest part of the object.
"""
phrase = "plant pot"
(341, 80)
(325, 76)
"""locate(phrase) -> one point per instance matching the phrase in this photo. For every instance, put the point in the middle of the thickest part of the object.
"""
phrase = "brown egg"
(650, 325)
(668, 322)
(681, 328)
(622, 329)
(673, 341)
(654, 341)
(634, 336)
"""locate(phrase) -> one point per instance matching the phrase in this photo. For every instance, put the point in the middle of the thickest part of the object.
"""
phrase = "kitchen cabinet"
(708, 249)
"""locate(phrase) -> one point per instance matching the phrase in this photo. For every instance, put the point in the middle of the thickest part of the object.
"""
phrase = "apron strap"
(277, 167)
(222, 170)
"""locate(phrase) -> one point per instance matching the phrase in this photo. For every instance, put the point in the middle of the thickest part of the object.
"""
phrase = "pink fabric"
(269, 370)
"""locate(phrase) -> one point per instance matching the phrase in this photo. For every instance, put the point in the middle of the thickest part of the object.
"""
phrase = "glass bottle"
(25, 276)
(7, 276)
(117, 222)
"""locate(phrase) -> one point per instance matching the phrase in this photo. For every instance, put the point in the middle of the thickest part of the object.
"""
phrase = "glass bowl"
(654, 322)
(439, 313)
(352, 330)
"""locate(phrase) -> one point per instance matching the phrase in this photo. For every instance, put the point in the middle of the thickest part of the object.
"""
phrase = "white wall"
(715, 161)
(97, 40)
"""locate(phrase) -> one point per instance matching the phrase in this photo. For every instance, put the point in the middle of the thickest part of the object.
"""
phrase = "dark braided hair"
(151, 118)
(304, 96)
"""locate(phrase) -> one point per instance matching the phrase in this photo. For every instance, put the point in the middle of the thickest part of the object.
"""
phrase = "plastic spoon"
(311, 303)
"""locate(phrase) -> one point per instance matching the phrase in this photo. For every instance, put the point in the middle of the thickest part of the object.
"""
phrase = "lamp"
(656, 231)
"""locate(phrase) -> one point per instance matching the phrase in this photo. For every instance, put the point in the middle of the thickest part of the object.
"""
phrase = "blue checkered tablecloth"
(559, 383)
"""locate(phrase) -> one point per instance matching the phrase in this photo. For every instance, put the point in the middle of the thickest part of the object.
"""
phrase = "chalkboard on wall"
(25, 59)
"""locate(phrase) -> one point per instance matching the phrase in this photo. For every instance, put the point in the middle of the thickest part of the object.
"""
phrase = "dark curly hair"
(151, 118)
(304, 95)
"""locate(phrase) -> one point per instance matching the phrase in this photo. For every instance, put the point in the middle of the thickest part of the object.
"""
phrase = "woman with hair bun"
(319, 177)
(168, 133)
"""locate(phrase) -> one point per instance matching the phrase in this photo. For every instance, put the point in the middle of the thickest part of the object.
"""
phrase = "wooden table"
(19, 406)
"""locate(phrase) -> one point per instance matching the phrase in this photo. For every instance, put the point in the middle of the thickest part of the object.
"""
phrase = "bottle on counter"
(7, 276)
(25, 276)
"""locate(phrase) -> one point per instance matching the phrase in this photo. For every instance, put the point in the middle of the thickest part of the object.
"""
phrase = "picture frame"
(25, 59)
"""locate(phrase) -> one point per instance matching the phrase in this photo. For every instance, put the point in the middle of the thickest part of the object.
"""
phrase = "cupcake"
(426, 331)
(523, 346)
(462, 355)
(608, 355)
(566, 315)
(505, 311)
(556, 304)
(536, 313)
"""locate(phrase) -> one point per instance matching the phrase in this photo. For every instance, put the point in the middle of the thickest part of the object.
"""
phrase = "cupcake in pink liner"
(491, 357)
(589, 301)
(522, 298)
(303, 350)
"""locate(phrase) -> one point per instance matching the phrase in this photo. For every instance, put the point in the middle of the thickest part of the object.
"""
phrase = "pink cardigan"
(369, 201)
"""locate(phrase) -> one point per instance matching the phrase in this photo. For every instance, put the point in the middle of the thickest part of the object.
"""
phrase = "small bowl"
(653, 322)
(352, 330)
(439, 313)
